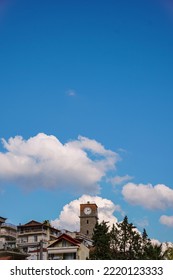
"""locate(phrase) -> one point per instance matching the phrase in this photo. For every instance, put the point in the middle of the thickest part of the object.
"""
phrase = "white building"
(34, 237)
(65, 247)
(8, 235)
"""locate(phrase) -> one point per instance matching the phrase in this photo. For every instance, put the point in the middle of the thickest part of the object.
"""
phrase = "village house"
(66, 247)
(8, 235)
(34, 237)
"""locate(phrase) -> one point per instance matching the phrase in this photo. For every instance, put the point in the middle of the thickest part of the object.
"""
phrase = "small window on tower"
(87, 232)
(87, 221)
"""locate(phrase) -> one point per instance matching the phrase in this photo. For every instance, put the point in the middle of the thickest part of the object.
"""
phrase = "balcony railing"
(8, 233)
(31, 231)
(8, 225)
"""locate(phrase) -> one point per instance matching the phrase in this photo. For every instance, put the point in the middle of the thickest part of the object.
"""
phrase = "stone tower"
(88, 218)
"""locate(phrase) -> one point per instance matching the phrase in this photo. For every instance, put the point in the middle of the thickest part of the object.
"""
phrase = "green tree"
(114, 242)
(101, 242)
(129, 240)
(168, 255)
(135, 249)
(146, 243)
(150, 251)
(46, 222)
(123, 242)
(153, 252)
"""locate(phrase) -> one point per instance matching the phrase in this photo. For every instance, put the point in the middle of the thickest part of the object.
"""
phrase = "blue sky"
(101, 70)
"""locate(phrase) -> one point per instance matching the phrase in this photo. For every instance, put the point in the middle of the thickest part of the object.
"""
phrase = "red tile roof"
(32, 223)
(66, 237)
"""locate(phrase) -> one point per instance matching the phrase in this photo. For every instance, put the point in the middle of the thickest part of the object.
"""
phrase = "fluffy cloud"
(44, 161)
(148, 196)
(69, 216)
(166, 220)
(118, 180)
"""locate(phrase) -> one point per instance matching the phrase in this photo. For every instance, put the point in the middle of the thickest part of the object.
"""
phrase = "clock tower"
(88, 218)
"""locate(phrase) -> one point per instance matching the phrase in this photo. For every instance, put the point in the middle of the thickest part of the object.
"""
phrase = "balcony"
(31, 231)
(63, 250)
(8, 225)
(8, 234)
(8, 230)
(24, 243)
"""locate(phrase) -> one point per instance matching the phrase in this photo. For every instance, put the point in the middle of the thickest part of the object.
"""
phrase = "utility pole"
(41, 249)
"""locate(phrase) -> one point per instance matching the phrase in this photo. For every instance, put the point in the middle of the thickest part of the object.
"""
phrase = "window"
(25, 249)
(87, 221)
(24, 239)
(35, 238)
(64, 243)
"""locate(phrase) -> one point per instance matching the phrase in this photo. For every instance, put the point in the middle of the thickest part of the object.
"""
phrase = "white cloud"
(148, 196)
(69, 216)
(44, 161)
(71, 92)
(165, 245)
(166, 220)
(118, 180)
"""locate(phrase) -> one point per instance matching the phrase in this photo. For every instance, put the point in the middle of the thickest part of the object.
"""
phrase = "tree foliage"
(101, 242)
(123, 242)
(168, 255)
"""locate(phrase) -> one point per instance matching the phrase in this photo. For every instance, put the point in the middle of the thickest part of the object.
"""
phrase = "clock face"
(87, 210)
